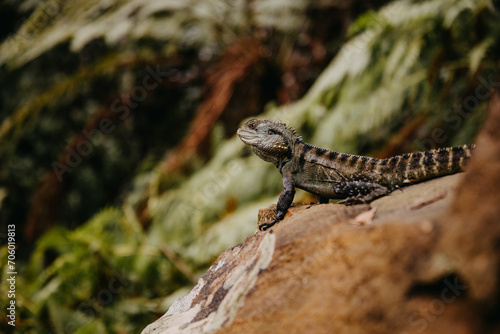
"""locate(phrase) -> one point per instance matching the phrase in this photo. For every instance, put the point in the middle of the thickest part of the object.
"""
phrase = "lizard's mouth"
(246, 136)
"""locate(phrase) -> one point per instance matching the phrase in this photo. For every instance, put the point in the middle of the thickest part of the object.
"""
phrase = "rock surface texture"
(422, 260)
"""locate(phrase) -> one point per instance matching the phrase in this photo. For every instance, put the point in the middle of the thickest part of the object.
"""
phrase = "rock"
(219, 293)
(427, 261)
(320, 272)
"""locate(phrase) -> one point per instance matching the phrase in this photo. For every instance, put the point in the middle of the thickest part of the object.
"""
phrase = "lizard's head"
(272, 141)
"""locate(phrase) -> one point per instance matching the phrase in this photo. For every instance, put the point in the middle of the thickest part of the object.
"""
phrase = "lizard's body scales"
(333, 175)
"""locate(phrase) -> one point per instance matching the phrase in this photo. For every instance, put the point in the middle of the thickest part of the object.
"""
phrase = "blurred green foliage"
(127, 236)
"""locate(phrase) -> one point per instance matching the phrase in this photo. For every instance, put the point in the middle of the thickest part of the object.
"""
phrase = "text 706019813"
(11, 273)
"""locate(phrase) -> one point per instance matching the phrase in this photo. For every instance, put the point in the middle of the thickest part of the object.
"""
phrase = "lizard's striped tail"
(419, 166)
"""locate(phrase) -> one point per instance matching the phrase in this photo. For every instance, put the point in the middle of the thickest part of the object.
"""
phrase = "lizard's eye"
(252, 125)
(272, 132)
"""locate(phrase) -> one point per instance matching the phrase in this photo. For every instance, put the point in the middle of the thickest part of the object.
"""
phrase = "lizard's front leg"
(358, 192)
(284, 201)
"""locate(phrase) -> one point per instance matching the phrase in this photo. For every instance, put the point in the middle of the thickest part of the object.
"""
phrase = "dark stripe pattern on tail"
(419, 166)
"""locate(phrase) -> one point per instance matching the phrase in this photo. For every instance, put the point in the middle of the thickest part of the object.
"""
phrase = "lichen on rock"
(216, 298)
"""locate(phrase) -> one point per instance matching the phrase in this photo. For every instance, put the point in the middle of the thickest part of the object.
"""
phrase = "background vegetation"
(119, 163)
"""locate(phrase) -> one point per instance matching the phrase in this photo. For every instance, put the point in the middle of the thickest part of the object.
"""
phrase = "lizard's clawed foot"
(277, 217)
(265, 226)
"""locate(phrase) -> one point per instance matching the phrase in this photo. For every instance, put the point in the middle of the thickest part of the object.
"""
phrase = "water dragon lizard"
(333, 175)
